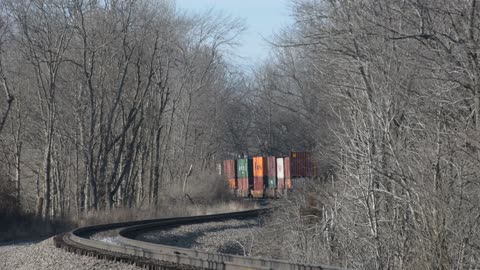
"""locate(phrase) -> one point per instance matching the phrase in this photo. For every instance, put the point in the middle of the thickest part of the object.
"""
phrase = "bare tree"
(115, 101)
(402, 93)
(7, 88)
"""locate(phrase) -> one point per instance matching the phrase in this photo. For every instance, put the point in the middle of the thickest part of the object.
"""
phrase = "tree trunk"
(18, 151)
(48, 180)
(156, 171)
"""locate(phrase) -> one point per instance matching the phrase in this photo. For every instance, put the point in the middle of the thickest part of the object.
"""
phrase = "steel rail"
(157, 256)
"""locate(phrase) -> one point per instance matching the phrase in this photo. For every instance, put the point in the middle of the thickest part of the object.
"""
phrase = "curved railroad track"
(156, 256)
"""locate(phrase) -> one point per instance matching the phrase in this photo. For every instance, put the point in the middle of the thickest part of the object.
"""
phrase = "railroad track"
(156, 256)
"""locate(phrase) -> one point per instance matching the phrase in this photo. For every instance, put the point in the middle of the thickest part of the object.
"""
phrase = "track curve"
(156, 256)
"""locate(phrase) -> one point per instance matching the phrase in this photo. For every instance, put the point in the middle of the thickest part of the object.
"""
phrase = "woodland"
(132, 104)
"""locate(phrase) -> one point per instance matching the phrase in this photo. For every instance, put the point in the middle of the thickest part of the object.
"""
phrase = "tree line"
(389, 91)
(107, 103)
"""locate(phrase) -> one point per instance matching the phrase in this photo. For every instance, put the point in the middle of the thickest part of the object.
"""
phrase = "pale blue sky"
(262, 18)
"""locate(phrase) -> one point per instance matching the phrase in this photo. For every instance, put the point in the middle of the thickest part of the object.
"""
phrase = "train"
(268, 176)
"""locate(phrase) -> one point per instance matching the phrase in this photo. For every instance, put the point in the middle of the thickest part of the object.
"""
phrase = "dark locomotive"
(271, 177)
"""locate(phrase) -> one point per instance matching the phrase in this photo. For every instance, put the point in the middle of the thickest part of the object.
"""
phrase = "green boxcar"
(244, 176)
(242, 168)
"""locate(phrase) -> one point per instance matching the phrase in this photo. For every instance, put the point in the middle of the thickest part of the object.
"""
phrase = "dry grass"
(179, 208)
(208, 196)
(23, 226)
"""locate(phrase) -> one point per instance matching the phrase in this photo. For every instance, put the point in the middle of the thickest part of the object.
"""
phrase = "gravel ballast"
(228, 237)
(45, 255)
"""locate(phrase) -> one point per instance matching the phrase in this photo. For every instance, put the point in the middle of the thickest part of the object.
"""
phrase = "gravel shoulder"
(45, 255)
(228, 237)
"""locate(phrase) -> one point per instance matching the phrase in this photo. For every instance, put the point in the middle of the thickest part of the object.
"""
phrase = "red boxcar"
(229, 172)
(259, 175)
(271, 173)
(302, 165)
(271, 179)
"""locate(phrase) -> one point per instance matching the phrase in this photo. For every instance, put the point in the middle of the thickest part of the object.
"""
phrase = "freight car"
(259, 176)
(244, 177)
(271, 177)
(229, 171)
(281, 190)
(302, 167)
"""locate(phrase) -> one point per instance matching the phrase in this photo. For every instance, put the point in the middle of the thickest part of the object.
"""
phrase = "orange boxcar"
(288, 175)
(259, 175)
